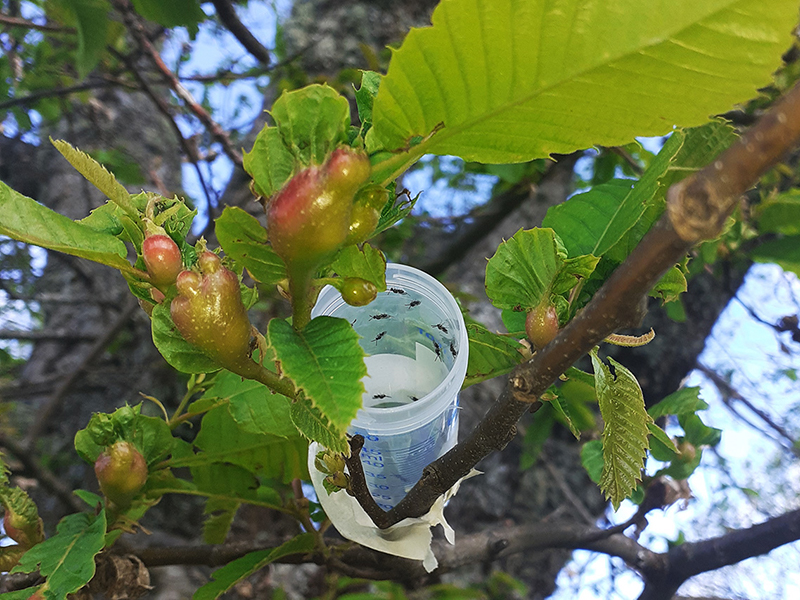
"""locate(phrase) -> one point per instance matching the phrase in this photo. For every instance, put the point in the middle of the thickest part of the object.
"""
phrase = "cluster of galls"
(208, 310)
(320, 210)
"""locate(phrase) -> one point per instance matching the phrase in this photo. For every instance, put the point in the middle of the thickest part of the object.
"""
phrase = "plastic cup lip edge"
(435, 402)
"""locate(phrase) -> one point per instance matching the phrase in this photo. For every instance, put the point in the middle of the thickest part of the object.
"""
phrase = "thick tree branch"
(697, 207)
(227, 15)
(687, 560)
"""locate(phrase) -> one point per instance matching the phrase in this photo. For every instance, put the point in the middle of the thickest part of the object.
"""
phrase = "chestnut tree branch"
(697, 207)
(134, 25)
(227, 15)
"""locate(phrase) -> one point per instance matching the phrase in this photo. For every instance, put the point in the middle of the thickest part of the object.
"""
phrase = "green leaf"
(784, 252)
(684, 401)
(91, 22)
(562, 412)
(536, 435)
(325, 361)
(96, 174)
(23, 594)
(269, 163)
(697, 432)
(312, 121)
(365, 98)
(522, 79)
(530, 266)
(592, 222)
(661, 446)
(28, 221)
(780, 214)
(222, 440)
(367, 263)
(680, 469)
(625, 431)
(596, 221)
(490, 354)
(670, 286)
(179, 353)
(684, 153)
(254, 408)
(395, 210)
(151, 435)
(592, 459)
(175, 13)
(245, 240)
(67, 558)
(225, 578)
(314, 426)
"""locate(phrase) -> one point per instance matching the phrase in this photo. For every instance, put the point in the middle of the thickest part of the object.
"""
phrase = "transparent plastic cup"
(417, 351)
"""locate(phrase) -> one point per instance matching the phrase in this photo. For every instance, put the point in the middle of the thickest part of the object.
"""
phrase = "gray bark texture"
(329, 35)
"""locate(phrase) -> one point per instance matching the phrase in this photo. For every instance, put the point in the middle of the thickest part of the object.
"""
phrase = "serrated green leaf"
(680, 469)
(325, 361)
(28, 221)
(220, 515)
(175, 13)
(395, 210)
(269, 162)
(595, 74)
(698, 433)
(536, 435)
(365, 97)
(225, 578)
(562, 411)
(151, 435)
(490, 354)
(531, 265)
(91, 23)
(254, 408)
(625, 431)
(784, 252)
(681, 402)
(780, 214)
(312, 121)
(245, 240)
(592, 222)
(596, 221)
(95, 173)
(367, 263)
(671, 285)
(592, 459)
(104, 219)
(179, 353)
(661, 446)
(66, 560)
(24, 594)
(315, 427)
(691, 150)
(222, 440)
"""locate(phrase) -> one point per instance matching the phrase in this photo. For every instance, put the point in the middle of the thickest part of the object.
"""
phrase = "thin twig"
(44, 476)
(54, 403)
(227, 15)
(134, 25)
(189, 149)
(728, 390)
(20, 22)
